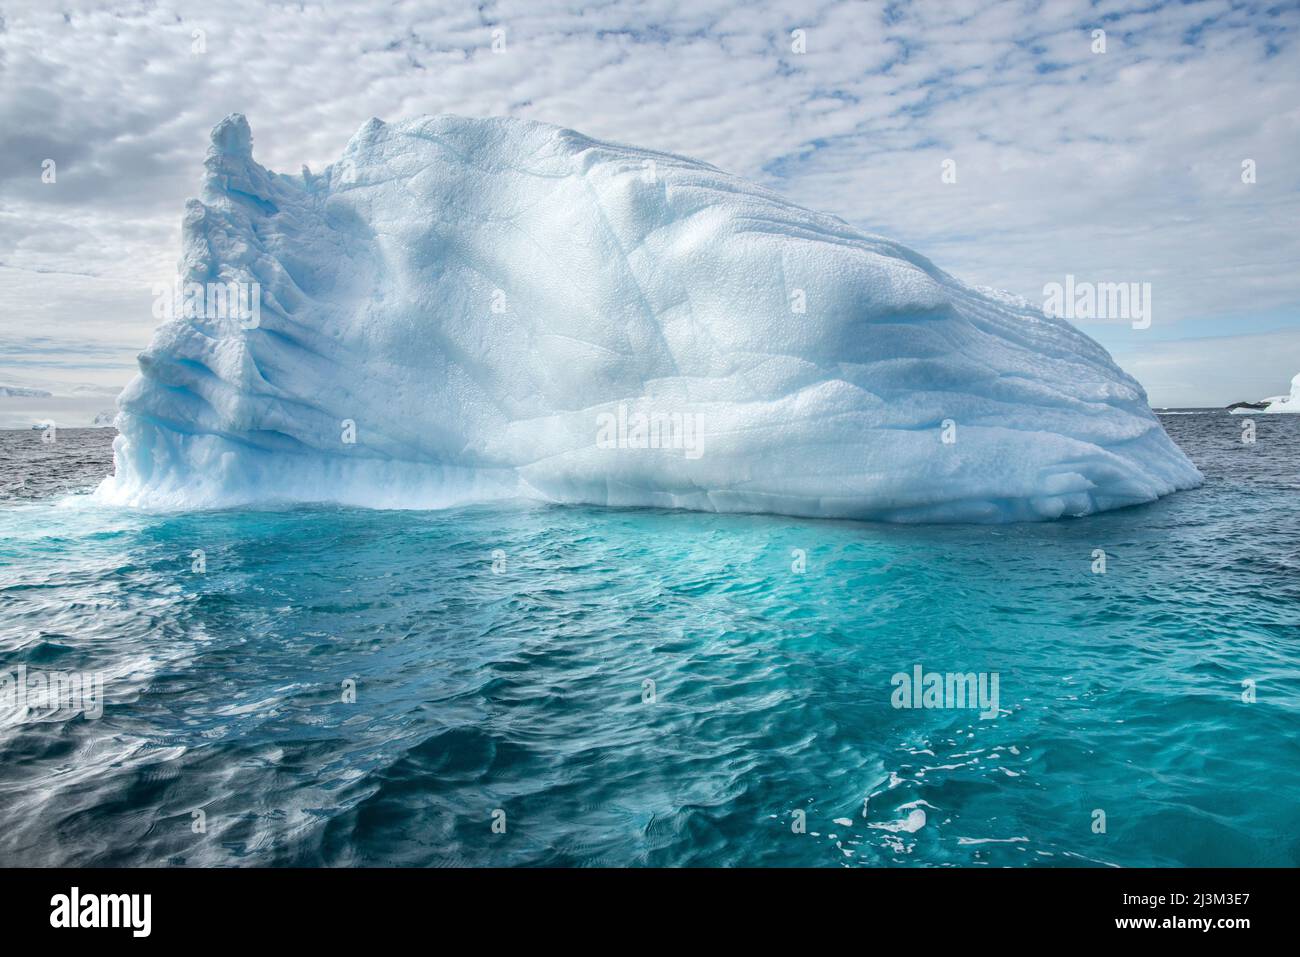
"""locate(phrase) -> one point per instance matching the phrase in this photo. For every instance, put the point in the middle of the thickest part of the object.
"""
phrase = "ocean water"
(502, 659)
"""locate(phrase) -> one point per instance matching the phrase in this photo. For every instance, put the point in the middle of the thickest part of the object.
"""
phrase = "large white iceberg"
(465, 309)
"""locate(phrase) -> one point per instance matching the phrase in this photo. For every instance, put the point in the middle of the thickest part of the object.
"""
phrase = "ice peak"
(232, 173)
(233, 136)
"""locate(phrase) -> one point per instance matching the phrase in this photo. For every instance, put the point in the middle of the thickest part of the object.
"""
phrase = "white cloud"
(1122, 166)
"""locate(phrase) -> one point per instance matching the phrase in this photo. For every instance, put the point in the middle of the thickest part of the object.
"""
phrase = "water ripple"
(653, 688)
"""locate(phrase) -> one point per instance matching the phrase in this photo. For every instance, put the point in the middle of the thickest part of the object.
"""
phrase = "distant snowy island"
(469, 309)
(1273, 404)
(27, 405)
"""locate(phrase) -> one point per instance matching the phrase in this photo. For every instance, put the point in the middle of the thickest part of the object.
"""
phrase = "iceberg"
(464, 309)
(1273, 404)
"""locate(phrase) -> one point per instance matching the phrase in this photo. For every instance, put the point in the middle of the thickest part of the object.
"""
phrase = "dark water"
(522, 688)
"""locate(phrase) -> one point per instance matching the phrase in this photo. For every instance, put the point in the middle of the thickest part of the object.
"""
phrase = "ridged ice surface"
(476, 299)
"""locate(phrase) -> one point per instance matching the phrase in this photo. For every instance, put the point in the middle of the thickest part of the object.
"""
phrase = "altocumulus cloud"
(1119, 166)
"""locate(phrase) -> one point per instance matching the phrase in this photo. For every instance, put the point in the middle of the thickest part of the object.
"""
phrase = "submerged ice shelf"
(464, 309)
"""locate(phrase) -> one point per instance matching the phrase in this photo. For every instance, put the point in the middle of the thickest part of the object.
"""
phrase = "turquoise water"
(522, 688)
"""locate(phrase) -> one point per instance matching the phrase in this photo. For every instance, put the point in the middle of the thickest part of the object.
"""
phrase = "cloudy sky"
(1116, 166)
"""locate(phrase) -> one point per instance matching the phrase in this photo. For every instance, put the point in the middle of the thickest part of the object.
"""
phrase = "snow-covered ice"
(462, 309)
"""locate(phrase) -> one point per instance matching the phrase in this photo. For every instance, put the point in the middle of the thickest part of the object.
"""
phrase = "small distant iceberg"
(1273, 404)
